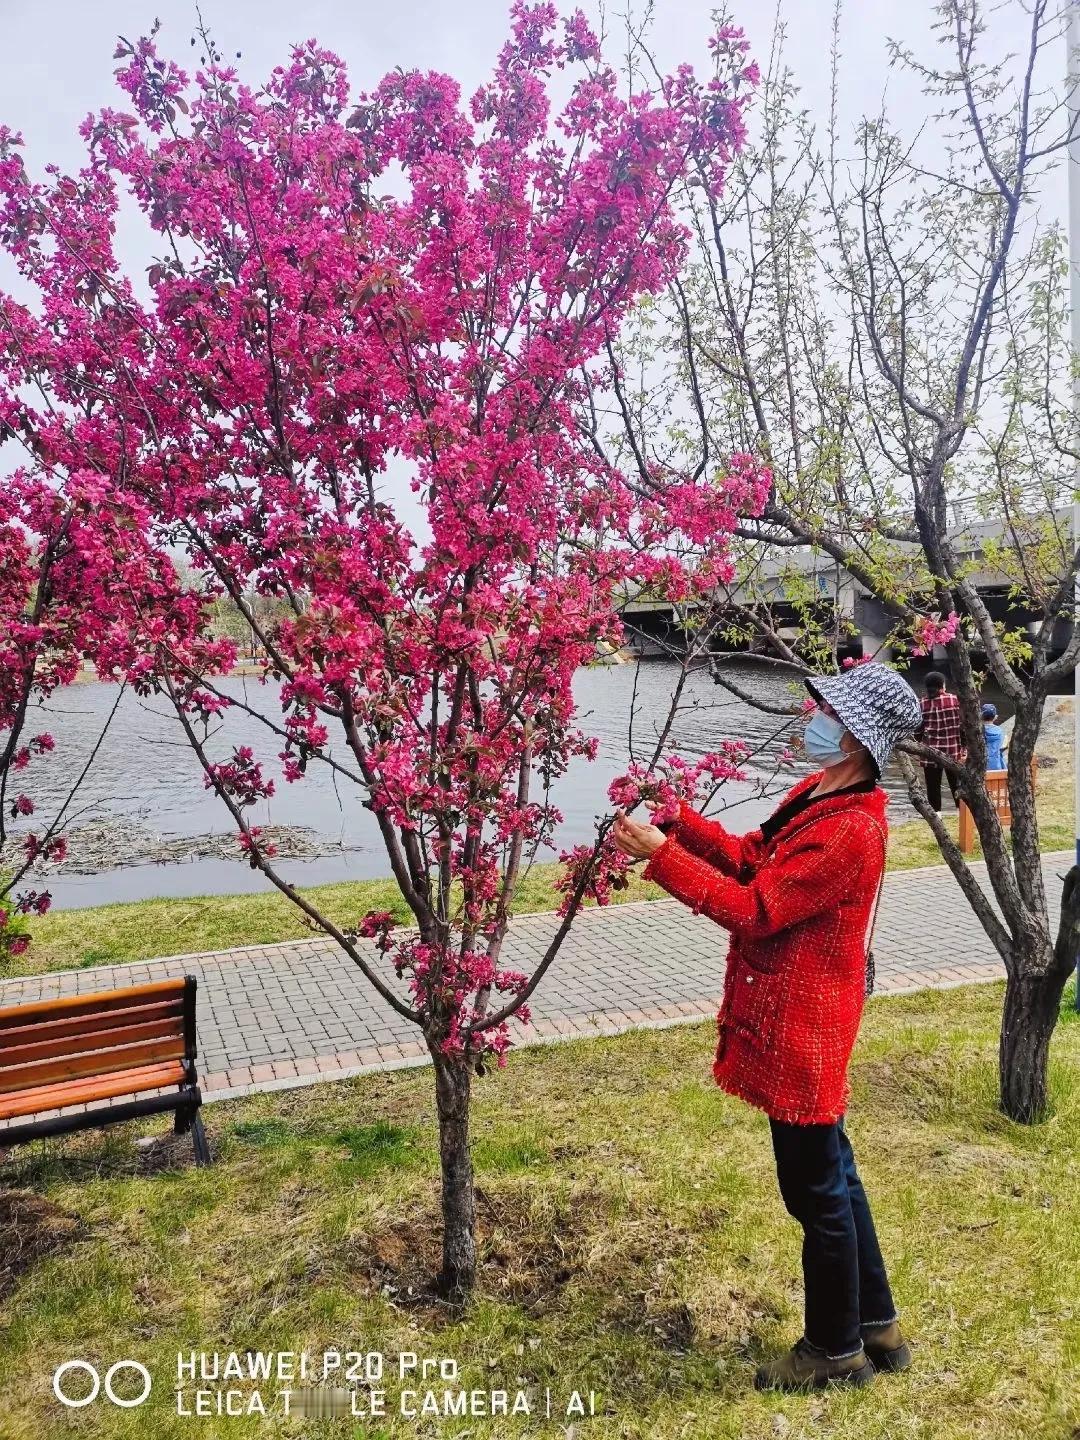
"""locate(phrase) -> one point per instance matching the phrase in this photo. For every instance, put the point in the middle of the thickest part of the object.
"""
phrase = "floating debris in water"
(112, 844)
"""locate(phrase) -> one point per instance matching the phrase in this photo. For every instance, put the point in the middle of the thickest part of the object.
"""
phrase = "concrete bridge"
(839, 601)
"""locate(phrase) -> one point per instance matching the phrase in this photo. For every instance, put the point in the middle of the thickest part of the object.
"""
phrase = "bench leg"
(198, 1136)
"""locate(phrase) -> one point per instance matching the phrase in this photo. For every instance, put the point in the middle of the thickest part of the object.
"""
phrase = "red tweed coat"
(798, 908)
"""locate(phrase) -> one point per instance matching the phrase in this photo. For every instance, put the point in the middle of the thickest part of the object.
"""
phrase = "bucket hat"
(874, 702)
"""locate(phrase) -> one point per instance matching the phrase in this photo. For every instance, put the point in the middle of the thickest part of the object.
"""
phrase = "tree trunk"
(1032, 1006)
(452, 1092)
(1027, 1023)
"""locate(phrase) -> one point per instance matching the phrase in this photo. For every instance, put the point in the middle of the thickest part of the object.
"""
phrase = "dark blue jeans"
(843, 1272)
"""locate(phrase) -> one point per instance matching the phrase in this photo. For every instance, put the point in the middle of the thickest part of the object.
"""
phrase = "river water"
(145, 774)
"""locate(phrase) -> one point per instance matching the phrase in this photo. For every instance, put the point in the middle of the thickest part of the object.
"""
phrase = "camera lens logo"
(76, 1401)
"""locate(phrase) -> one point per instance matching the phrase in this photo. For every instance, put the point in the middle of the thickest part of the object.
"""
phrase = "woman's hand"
(638, 841)
(654, 803)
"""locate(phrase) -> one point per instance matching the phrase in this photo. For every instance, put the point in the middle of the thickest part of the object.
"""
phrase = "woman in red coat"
(798, 897)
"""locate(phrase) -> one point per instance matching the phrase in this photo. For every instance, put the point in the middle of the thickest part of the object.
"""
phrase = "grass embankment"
(112, 934)
(632, 1242)
(115, 934)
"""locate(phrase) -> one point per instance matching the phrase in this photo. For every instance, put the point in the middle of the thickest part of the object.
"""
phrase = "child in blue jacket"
(995, 738)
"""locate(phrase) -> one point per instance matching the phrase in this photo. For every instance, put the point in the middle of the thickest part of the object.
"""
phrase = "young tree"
(888, 330)
(51, 622)
(36, 657)
(69, 565)
(408, 286)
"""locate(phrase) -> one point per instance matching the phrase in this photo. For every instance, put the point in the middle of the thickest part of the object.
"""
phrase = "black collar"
(804, 799)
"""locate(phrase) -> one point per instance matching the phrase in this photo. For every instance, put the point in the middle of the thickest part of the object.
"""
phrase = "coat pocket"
(751, 1002)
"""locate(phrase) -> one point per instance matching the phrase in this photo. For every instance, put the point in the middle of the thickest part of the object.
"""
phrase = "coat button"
(749, 979)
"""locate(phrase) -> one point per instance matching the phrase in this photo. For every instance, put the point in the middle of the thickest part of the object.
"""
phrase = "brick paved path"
(276, 1016)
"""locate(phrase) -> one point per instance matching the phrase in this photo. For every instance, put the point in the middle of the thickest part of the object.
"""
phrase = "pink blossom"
(240, 778)
(677, 780)
(253, 845)
(931, 630)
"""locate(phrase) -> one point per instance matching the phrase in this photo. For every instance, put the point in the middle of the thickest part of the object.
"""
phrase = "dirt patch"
(723, 1316)
(114, 1152)
(672, 1325)
(401, 1262)
(574, 1151)
(532, 1244)
(31, 1228)
(162, 1153)
(918, 1087)
(960, 1157)
(528, 1248)
(948, 1159)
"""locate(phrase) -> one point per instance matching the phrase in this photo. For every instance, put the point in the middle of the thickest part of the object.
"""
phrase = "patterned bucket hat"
(875, 703)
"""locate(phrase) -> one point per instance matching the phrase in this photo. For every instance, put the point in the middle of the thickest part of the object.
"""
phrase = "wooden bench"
(84, 1049)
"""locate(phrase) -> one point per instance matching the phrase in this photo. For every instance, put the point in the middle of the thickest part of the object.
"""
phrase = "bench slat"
(100, 1062)
(85, 1092)
(87, 1024)
(86, 1043)
(69, 1006)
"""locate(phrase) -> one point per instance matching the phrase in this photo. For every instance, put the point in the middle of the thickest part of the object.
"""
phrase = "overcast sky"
(56, 61)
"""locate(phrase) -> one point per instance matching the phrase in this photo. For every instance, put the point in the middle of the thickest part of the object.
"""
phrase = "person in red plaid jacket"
(797, 896)
(941, 729)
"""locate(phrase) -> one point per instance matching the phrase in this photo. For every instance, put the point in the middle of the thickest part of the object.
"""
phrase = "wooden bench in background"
(86, 1049)
(997, 787)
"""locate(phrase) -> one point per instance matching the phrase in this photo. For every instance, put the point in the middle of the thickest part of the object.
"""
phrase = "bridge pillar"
(873, 623)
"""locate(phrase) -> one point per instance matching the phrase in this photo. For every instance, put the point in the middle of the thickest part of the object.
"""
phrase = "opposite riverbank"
(121, 933)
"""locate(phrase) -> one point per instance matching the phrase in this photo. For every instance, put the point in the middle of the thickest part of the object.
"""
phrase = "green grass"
(116, 934)
(631, 1237)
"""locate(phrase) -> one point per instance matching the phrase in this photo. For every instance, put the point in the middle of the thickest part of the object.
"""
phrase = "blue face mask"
(821, 739)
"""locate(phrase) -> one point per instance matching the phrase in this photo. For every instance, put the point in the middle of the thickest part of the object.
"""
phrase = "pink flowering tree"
(407, 286)
(60, 552)
(38, 654)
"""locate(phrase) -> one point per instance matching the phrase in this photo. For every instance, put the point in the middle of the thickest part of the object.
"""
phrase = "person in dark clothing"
(941, 729)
